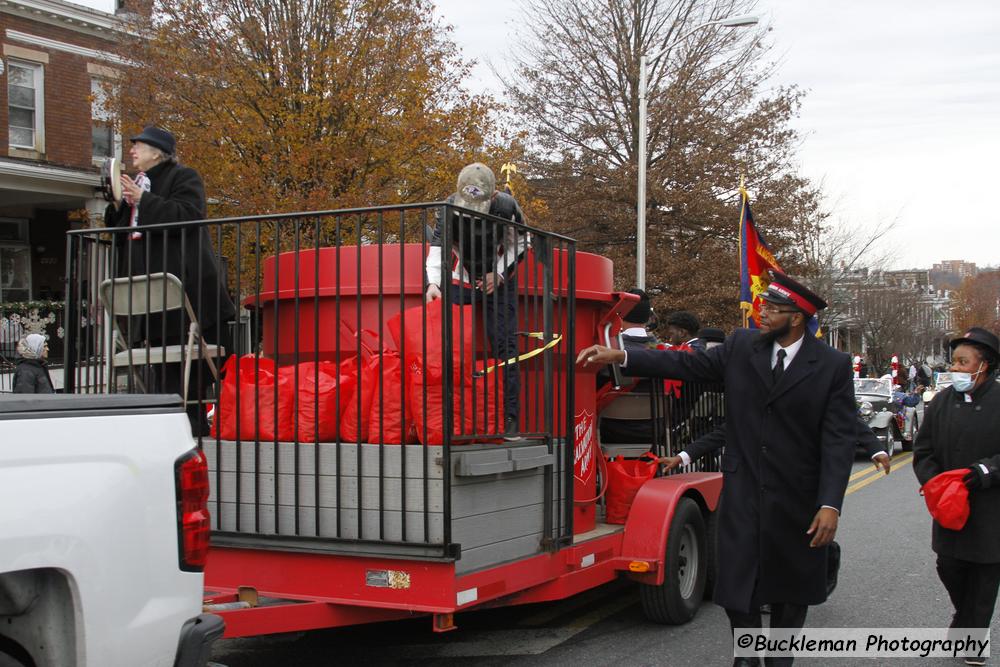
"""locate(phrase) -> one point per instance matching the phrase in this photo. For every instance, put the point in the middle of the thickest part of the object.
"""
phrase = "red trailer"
(333, 533)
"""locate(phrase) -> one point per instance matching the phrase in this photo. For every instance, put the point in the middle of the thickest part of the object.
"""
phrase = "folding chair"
(156, 293)
(637, 407)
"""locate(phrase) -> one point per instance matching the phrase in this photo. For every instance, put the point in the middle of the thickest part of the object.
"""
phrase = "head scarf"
(31, 346)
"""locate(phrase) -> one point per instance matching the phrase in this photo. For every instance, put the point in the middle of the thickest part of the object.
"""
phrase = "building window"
(25, 95)
(102, 127)
(15, 261)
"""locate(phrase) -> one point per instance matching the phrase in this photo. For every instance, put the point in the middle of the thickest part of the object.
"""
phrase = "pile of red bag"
(372, 397)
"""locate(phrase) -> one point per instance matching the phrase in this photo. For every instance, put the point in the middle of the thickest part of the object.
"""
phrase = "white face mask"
(964, 382)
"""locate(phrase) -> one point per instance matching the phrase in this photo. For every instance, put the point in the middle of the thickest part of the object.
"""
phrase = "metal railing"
(277, 328)
(678, 415)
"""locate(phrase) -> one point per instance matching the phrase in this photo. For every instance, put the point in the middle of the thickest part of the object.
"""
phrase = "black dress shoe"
(746, 662)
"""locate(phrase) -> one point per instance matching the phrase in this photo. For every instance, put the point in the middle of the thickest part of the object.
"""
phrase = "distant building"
(956, 267)
(918, 279)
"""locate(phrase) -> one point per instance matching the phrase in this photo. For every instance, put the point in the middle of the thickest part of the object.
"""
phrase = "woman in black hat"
(960, 430)
(164, 191)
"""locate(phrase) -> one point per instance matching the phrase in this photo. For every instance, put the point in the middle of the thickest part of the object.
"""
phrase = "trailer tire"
(678, 598)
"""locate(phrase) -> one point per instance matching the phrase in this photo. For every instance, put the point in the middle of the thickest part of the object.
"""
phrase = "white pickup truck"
(104, 533)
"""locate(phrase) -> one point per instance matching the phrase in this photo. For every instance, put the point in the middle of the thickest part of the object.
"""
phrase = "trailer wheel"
(677, 599)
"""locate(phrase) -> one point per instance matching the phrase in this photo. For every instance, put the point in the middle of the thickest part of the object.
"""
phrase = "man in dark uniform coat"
(960, 430)
(790, 440)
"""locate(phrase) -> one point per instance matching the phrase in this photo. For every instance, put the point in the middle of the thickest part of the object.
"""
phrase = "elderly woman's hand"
(131, 192)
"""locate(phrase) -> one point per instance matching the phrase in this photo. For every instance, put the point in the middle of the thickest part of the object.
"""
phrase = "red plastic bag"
(252, 379)
(477, 408)
(947, 498)
(625, 477)
(410, 339)
(390, 421)
(317, 411)
(355, 420)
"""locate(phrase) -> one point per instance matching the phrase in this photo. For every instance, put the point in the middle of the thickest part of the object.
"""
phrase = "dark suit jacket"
(176, 195)
(789, 451)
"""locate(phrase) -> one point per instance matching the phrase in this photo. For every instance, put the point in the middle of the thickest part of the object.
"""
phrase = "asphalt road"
(887, 579)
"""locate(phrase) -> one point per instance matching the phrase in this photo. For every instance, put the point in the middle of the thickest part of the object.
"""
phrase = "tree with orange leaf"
(306, 105)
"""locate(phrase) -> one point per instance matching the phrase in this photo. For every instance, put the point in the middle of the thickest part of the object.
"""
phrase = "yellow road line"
(873, 469)
(901, 460)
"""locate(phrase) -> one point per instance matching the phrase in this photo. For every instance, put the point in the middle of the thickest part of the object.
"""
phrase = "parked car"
(878, 410)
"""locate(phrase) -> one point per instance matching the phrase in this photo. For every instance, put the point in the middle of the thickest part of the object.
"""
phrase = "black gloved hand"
(975, 479)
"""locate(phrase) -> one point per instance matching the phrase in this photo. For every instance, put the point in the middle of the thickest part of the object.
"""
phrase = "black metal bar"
(380, 246)
(277, 352)
(316, 448)
(403, 398)
(447, 387)
(570, 384)
(338, 242)
(359, 436)
(295, 373)
(71, 332)
(424, 281)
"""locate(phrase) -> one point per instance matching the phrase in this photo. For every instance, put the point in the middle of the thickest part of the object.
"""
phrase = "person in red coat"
(789, 447)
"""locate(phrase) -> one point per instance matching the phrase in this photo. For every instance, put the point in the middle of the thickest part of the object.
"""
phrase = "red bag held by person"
(947, 498)
(625, 478)
(409, 338)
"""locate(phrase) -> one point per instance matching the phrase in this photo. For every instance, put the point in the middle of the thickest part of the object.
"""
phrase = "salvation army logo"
(583, 448)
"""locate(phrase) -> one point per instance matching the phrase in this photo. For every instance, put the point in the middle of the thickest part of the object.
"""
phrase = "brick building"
(54, 135)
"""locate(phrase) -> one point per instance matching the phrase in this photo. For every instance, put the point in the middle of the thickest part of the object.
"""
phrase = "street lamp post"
(640, 260)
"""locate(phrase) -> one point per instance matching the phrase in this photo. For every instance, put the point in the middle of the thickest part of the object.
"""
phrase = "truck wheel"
(677, 599)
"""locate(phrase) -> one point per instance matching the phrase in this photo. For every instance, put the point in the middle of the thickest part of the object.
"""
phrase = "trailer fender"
(648, 523)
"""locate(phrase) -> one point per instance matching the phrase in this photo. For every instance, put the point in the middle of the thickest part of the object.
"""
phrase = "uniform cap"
(475, 187)
(785, 290)
(641, 311)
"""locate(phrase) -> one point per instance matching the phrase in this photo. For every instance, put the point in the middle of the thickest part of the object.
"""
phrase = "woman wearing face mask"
(32, 373)
(961, 429)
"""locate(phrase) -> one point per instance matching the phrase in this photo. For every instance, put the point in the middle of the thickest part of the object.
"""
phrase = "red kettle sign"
(584, 444)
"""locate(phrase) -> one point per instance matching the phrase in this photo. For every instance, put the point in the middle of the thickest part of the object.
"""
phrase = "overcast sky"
(901, 121)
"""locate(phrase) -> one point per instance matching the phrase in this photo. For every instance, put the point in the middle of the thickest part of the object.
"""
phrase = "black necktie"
(779, 367)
